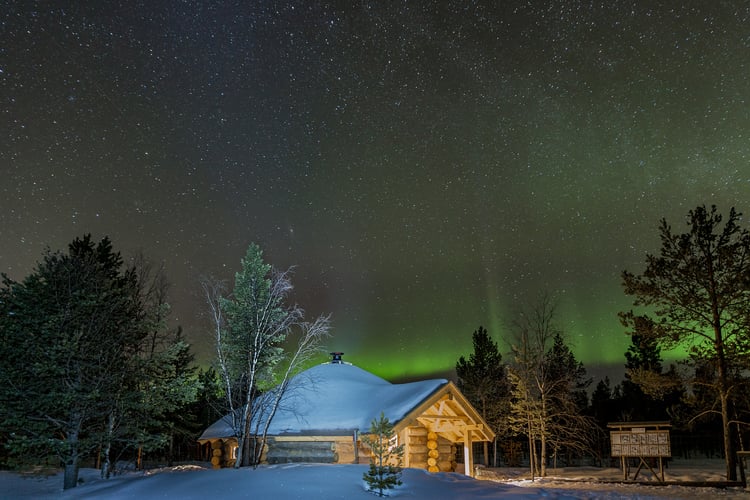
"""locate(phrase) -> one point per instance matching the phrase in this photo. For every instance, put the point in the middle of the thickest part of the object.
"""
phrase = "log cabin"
(329, 406)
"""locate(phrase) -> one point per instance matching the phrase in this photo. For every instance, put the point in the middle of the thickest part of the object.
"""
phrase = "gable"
(448, 413)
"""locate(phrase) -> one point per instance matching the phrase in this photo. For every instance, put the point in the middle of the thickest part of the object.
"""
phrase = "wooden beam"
(347, 438)
(468, 455)
(441, 427)
(475, 427)
(459, 418)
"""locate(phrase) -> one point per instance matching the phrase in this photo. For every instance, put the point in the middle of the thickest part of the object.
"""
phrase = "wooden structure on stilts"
(641, 441)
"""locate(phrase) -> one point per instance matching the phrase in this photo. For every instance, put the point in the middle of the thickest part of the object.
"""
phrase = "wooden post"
(741, 457)
(355, 442)
(661, 469)
(468, 455)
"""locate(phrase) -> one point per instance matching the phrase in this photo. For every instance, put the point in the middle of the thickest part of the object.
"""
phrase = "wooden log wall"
(429, 451)
(344, 451)
(216, 454)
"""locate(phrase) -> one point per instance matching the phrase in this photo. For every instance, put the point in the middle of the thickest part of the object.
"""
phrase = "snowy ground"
(311, 482)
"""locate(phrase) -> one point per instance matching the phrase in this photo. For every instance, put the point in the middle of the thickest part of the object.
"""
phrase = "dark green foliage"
(209, 405)
(647, 393)
(253, 327)
(257, 323)
(68, 333)
(483, 380)
(87, 365)
(603, 404)
(387, 457)
(562, 366)
(165, 387)
(698, 291)
(571, 432)
(180, 393)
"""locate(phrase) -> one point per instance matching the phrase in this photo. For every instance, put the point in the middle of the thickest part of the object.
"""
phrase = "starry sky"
(429, 167)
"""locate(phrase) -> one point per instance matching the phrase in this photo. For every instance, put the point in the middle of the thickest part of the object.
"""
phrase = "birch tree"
(547, 384)
(534, 333)
(251, 328)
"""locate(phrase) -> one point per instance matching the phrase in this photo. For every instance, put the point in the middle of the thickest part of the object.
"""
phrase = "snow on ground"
(313, 481)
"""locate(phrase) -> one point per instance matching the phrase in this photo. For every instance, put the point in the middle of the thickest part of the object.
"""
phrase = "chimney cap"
(336, 357)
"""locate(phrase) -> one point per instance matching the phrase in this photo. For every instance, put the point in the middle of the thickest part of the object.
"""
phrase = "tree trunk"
(532, 450)
(106, 464)
(170, 459)
(240, 452)
(731, 459)
(70, 479)
(543, 438)
(243, 440)
(71, 474)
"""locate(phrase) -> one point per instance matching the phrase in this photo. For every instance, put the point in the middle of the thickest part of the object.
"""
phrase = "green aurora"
(428, 167)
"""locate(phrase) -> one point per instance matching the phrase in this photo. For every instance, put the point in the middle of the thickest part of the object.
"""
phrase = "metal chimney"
(336, 357)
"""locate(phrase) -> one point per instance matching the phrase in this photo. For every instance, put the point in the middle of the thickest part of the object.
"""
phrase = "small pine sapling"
(387, 457)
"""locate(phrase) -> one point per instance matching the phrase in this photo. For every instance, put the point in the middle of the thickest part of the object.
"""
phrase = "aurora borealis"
(429, 167)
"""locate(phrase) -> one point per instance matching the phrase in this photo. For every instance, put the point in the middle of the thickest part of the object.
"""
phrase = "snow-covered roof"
(337, 398)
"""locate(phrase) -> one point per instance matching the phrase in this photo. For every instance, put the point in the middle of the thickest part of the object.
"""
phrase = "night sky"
(429, 167)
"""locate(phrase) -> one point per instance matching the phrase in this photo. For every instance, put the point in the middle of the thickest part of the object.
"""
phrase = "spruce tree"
(69, 335)
(483, 380)
(81, 370)
(647, 394)
(386, 461)
(482, 377)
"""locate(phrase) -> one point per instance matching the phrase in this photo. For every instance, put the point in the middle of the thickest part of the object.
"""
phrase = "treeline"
(693, 295)
(92, 371)
(547, 411)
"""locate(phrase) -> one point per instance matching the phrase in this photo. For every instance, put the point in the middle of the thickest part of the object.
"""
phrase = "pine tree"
(602, 404)
(483, 380)
(697, 290)
(385, 465)
(603, 411)
(563, 366)
(647, 393)
(257, 323)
